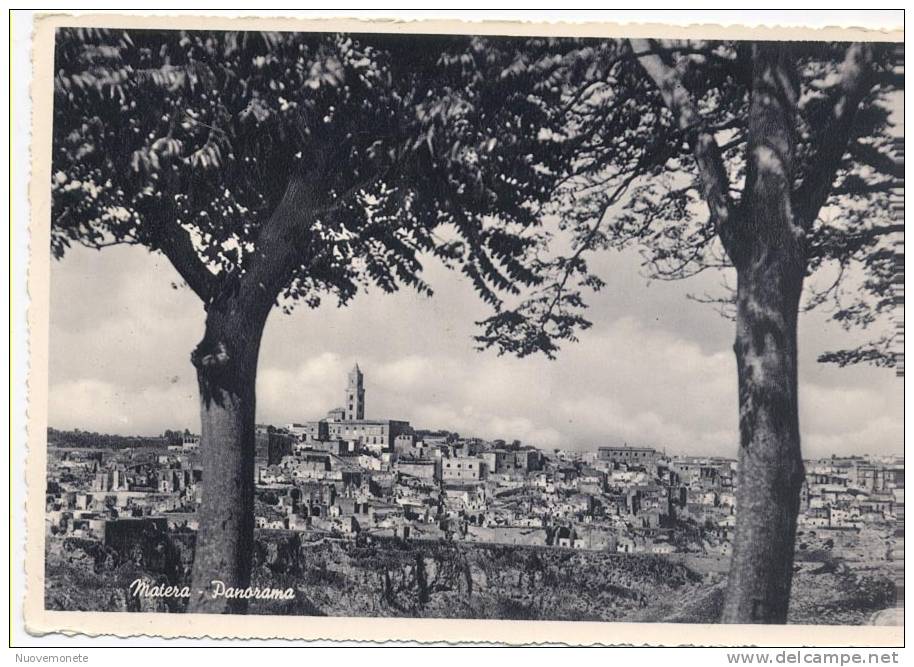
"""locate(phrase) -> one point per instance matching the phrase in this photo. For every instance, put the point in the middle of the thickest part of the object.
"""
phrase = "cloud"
(95, 405)
(849, 420)
(647, 387)
(837, 410)
(306, 392)
(655, 369)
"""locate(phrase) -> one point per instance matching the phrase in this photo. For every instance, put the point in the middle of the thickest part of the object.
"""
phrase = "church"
(348, 423)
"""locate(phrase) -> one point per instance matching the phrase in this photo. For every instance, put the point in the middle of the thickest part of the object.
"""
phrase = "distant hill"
(89, 439)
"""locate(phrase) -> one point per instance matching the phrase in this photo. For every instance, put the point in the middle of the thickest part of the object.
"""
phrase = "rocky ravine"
(467, 581)
(437, 579)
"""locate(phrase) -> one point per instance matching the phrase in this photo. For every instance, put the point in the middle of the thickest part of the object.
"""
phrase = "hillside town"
(350, 477)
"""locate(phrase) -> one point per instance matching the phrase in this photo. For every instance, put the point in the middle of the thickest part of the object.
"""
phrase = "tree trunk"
(770, 263)
(226, 362)
(770, 463)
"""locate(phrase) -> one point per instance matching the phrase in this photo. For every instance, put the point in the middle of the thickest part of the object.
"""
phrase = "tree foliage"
(415, 146)
(635, 182)
(454, 147)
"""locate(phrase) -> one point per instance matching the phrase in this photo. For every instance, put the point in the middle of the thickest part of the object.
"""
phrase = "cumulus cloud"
(96, 405)
(653, 370)
(661, 391)
(306, 392)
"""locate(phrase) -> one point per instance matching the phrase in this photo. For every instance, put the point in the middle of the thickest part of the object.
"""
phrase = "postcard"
(502, 332)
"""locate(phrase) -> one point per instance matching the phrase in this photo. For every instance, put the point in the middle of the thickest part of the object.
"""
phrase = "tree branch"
(715, 184)
(856, 82)
(179, 249)
(573, 263)
(170, 238)
(279, 244)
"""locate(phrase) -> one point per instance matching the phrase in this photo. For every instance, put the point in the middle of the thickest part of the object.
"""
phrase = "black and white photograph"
(346, 322)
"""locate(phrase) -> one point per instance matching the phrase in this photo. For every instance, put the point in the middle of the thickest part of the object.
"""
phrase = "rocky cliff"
(444, 579)
(436, 579)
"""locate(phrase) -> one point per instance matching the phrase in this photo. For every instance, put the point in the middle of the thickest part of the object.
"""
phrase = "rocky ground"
(455, 580)
(469, 581)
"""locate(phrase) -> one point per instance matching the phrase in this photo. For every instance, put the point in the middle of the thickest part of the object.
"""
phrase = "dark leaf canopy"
(633, 180)
(409, 146)
(412, 146)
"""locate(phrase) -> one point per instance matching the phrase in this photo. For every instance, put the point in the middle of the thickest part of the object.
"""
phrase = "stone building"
(309, 431)
(271, 445)
(424, 469)
(349, 424)
(354, 408)
(463, 468)
(631, 456)
(378, 434)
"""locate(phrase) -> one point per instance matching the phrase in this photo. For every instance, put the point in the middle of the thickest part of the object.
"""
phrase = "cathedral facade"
(348, 423)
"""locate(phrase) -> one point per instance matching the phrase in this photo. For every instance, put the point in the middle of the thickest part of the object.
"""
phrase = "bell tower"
(354, 406)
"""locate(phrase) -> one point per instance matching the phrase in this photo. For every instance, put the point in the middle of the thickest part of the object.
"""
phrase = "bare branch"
(856, 82)
(712, 173)
(174, 241)
(585, 245)
(724, 304)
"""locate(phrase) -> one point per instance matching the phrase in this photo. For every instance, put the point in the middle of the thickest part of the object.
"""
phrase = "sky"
(655, 369)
